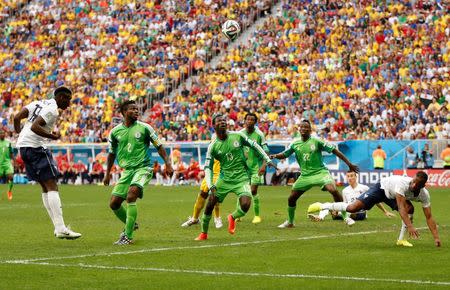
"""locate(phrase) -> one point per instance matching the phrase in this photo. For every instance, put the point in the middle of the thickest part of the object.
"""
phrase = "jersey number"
(35, 113)
(230, 156)
(129, 147)
(306, 157)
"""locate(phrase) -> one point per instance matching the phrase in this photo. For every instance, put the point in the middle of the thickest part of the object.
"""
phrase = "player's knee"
(354, 207)
(114, 205)
(204, 194)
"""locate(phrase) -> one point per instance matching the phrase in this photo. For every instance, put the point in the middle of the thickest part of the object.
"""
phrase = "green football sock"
(238, 213)
(205, 223)
(344, 214)
(10, 185)
(256, 204)
(291, 214)
(131, 219)
(121, 213)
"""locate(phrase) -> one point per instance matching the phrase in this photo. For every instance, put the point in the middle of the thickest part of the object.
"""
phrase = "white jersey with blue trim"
(48, 110)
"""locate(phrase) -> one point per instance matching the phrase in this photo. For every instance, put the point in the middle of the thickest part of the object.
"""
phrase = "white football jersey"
(350, 194)
(397, 184)
(48, 110)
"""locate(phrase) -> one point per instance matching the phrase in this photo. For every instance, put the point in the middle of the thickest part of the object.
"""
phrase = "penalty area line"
(242, 274)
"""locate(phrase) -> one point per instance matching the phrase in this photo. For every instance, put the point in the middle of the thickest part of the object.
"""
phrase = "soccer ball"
(231, 29)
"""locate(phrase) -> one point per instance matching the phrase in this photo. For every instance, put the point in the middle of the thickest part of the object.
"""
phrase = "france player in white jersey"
(396, 191)
(349, 195)
(39, 164)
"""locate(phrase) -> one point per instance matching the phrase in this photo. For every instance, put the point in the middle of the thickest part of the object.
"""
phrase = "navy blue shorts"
(375, 195)
(359, 216)
(39, 163)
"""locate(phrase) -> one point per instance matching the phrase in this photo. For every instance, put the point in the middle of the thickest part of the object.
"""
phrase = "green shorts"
(303, 183)
(255, 178)
(6, 169)
(224, 188)
(139, 177)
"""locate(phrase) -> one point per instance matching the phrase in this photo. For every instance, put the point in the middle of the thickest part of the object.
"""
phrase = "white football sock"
(323, 213)
(404, 228)
(339, 206)
(47, 207)
(54, 203)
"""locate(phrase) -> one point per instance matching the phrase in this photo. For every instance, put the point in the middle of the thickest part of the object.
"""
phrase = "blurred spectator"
(96, 173)
(427, 157)
(379, 156)
(411, 158)
(280, 173)
(81, 172)
(193, 171)
(445, 156)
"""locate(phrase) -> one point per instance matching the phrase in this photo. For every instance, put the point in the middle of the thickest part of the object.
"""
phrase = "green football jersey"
(254, 160)
(5, 152)
(309, 154)
(131, 144)
(230, 154)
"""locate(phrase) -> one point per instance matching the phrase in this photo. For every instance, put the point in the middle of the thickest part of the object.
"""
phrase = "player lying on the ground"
(397, 192)
(350, 194)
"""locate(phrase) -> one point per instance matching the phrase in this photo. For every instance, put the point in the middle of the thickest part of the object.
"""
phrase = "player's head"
(62, 96)
(305, 128)
(219, 122)
(352, 177)
(130, 110)
(250, 120)
(418, 182)
(2, 134)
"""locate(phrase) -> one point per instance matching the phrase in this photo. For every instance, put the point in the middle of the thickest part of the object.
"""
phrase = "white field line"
(245, 274)
(202, 246)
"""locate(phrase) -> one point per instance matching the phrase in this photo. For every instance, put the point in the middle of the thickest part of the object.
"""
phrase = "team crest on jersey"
(137, 135)
(236, 144)
(313, 147)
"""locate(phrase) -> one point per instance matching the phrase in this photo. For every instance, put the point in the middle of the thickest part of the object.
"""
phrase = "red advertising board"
(436, 177)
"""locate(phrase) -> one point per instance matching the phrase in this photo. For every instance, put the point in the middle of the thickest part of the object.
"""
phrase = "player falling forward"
(350, 194)
(255, 164)
(129, 142)
(6, 162)
(39, 164)
(308, 152)
(397, 192)
(234, 175)
(201, 200)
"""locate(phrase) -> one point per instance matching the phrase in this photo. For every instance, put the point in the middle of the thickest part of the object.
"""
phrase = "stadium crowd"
(107, 51)
(356, 70)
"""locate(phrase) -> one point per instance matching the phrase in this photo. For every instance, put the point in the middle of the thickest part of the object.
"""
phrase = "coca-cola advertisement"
(436, 177)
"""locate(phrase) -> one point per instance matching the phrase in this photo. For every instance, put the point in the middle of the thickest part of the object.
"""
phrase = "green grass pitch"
(165, 256)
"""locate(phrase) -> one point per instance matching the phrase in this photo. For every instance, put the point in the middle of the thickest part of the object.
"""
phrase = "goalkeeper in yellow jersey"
(201, 200)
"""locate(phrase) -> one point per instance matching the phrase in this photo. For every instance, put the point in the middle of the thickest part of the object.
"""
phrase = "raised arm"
(23, 113)
(109, 165)
(432, 225)
(209, 164)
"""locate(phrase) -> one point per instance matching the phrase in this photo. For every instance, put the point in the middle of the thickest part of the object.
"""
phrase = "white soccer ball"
(231, 29)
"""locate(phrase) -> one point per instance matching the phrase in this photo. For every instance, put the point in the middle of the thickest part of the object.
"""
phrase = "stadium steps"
(242, 39)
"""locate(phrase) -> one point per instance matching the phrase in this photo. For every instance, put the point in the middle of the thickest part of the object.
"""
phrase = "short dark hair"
(305, 121)
(215, 117)
(250, 115)
(124, 105)
(62, 90)
(422, 176)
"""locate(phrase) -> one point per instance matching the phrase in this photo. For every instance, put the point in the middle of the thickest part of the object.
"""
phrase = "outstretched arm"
(341, 156)
(23, 113)
(432, 226)
(385, 211)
